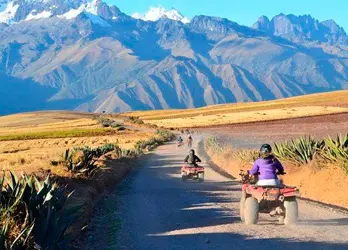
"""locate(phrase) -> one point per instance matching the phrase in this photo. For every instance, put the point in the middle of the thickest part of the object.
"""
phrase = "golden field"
(303, 106)
(30, 141)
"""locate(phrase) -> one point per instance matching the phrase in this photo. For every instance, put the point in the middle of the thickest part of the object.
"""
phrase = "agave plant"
(10, 206)
(336, 150)
(80, 162)
(36, 213)
(106, 149)
(302, 150)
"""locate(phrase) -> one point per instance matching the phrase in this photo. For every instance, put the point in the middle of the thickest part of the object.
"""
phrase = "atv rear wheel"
(241, 206)
(291, 211)
(251, 211)
(281, 219)
(201, 177)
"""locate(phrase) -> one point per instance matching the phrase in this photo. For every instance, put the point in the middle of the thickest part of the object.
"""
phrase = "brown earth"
(254, 134)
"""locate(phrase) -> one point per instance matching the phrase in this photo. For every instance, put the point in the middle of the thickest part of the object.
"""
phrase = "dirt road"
(154, 209)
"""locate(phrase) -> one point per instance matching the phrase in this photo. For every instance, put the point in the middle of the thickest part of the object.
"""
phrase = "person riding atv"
(267, 167)
(192, 158)
(192, 171)
(189, 141)
(180, 140)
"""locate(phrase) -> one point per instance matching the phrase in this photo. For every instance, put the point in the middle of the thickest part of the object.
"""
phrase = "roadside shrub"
(134, 119)
(246, 155)
(106, 123)
(34, 214)
(165, 135)
(213, 144)
(336, 150)
(305, 149)
(81, 161)
(301, 151)
(160, 138)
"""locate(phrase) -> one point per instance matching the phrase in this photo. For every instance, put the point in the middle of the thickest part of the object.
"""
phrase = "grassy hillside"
(303, 106)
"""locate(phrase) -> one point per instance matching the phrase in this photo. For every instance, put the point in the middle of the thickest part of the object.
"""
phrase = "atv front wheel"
(291, 211)
(251, 211)
(201, 177)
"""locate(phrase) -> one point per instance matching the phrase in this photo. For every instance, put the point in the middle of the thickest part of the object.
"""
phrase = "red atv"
(275, 201)
(179, 144)
(192, 172)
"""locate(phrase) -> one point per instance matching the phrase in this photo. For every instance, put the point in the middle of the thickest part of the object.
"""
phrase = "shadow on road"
(240, 242)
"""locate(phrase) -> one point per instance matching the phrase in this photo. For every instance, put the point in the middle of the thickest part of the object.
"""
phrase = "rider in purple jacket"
(267, 166)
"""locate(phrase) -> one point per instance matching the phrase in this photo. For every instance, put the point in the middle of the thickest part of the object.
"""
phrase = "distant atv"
(275, 201)
(192, 172)
(179, 144)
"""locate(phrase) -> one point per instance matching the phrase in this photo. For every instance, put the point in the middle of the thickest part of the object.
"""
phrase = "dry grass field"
(303, 106)
(30, 141)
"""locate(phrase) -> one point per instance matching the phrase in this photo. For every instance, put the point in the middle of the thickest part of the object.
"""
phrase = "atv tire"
(281, 219)
(201, 177)
(251, 211)
(184, 177)
(291, 212)
(242, 206)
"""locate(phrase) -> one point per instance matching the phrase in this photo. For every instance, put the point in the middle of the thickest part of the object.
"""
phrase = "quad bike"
(276, 201)
(192, 172)
(179, 144)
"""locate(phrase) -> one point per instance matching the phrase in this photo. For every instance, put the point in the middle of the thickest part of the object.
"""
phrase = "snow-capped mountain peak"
(156, 13)
(24, 10)
(8, 14)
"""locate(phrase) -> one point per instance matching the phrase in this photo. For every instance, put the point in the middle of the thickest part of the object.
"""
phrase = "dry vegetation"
(304, 106)
(28, 142)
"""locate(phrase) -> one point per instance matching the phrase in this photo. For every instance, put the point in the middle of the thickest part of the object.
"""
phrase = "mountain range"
(89, 56)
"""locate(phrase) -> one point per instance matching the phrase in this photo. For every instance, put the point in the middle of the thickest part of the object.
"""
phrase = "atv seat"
(268, 186)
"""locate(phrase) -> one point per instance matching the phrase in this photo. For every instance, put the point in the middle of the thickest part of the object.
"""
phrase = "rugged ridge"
(303, 29)
(90, 56)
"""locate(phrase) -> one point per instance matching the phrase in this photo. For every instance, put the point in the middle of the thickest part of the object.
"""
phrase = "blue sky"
(245, 12)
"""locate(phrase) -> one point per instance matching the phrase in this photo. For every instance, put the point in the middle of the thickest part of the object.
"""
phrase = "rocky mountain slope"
(89, 56)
